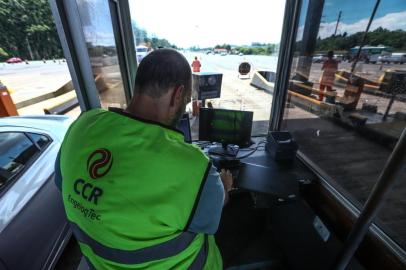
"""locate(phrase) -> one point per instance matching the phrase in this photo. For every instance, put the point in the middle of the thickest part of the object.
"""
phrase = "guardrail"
(62, 107)
(67, 87)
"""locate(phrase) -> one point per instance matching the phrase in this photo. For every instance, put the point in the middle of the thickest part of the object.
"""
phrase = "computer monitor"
(184, 126)
(225, 126)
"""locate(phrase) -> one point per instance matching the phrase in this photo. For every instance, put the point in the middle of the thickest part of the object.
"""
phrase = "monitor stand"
(224, 150)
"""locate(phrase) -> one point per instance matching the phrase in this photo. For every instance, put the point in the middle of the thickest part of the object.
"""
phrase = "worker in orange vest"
(196, 65)
(330, 67)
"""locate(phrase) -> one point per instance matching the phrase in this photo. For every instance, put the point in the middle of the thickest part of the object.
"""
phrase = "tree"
(3, 54)
(380, 36)
(143, 38)
(28, 24)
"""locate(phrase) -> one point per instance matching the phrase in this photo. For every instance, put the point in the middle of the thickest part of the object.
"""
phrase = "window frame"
(34, 158)
(36, 144)
(285, 58)
(67, 20)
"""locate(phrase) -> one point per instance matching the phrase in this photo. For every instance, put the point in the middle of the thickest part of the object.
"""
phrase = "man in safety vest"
(136, 195)
(196, 65)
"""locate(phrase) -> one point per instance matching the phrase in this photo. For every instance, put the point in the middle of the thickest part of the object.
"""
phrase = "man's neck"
(146, 108)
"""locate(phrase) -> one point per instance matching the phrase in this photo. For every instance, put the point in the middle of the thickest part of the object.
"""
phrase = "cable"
(252, 149)
(252, 152)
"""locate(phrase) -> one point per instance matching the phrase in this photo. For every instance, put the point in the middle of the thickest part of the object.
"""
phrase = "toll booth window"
(97, 26)
(346, 100)
(16, 151)
(232, 50)
(34, 74)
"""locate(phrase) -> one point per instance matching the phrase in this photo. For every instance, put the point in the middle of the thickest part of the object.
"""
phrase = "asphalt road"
(27, 81)
(230, 63)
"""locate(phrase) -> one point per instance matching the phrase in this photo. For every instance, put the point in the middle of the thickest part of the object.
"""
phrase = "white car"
(141, 52)
(319, 58)
(33, 226)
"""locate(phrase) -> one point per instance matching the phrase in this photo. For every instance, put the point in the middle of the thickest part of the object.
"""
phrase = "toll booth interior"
(281, 214)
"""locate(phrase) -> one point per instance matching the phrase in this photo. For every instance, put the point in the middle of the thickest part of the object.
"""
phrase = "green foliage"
(143, 38)
(260, 49)
(195, 49)
(224, 46)
(3, 52)
(3, 55)
(32, 29)
(380, 36)
(28, 24)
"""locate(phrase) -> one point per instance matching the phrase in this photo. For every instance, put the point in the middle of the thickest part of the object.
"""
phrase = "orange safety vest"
(196, 66)
(329, 68)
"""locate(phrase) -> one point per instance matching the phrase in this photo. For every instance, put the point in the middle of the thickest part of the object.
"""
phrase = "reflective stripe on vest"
(161, 251)
(201, 257)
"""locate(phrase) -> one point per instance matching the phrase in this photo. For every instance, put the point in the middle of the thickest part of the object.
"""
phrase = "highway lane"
(230, 63)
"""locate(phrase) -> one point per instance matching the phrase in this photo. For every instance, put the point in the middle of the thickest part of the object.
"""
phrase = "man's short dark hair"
(330, 54)
(160, 70)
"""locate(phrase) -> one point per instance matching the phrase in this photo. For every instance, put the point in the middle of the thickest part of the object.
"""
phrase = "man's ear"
(177, 95)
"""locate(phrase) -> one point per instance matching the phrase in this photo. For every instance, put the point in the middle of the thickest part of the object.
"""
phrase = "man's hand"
(227, 179)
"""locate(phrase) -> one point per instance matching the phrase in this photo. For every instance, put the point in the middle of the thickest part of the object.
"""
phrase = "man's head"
(195, 57)
(330, 54)
(163, 86)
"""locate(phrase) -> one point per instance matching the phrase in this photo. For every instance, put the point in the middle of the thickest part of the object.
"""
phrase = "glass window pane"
(16, 150)
(346, 105)
(219, 36)
(33, 71)
(98, 29)
(39, 139)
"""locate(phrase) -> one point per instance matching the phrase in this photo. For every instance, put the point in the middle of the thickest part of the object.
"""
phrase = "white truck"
(395, 58)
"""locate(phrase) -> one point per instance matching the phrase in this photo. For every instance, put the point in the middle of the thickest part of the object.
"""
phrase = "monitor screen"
(184, 127)
(225, 126)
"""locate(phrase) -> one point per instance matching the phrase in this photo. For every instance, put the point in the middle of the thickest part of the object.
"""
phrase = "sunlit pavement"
(34, 79)
(237, 93)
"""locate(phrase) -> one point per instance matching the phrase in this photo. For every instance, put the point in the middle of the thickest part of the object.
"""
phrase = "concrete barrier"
(56, 105)
(62, 107)
(67, 87)
(260, 81)
(311, 105)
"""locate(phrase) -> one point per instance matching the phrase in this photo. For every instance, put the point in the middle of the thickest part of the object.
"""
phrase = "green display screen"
(225, 126)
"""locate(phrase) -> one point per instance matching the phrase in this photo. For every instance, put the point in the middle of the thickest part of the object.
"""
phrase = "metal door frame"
(68, 24)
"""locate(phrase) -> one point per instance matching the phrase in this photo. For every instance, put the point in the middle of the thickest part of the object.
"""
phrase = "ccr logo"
(99, 163)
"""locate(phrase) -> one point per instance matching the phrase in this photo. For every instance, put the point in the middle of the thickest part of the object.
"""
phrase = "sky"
(207, 23)
(355, 15)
